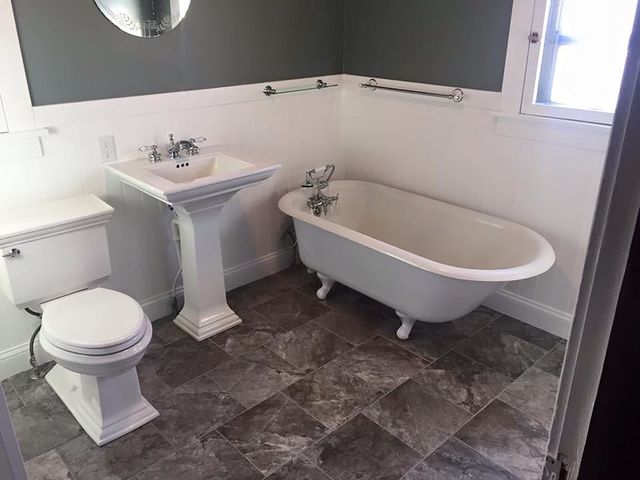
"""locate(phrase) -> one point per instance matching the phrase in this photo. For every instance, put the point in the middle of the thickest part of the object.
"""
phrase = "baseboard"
(534, 313)
(16, 359)
(161, 305)
(253, 270)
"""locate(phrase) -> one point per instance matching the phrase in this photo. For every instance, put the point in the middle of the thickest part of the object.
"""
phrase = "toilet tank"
(53, 249)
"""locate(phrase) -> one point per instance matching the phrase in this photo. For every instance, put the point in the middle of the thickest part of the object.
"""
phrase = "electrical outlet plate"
(107, 146)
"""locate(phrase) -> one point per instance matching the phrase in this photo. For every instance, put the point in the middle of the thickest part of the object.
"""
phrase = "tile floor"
(305, 389)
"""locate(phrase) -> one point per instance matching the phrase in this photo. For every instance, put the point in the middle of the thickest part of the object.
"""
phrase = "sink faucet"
(318, 179)
(174, 148)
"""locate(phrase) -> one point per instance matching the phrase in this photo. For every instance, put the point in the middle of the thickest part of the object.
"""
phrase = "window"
(577, 59)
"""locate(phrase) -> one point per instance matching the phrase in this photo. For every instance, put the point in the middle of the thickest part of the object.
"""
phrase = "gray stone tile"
(48, 466)
(378, 307)
(119, 459)
(167, 331)
(332, 394)
(309, 346)
(256, 376)
(207, 458)
(32, 391)
(382, 364)
(356, 326)
(456, 461)
(432, 340)
(151, 384)
(501, 351)
(247, 296)
(184, 360)
(509, 438)
(254, 331)
(272, 433)
(299, 469)
(193, 409)
(291, 310)
(418, 417)
(43, 426)
(13, 400)
(466, 383)
(268, 288)
(362, 450)
(155, 343)
(552, 362)
(534, 393)
(526, 332)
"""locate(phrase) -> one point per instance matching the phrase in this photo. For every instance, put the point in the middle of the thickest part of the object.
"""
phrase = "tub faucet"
(318, 179)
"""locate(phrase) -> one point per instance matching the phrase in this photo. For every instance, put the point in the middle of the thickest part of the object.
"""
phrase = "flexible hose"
(36, 374)
(32, 353)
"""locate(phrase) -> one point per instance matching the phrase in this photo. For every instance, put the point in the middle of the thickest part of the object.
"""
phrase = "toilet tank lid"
(32, 221)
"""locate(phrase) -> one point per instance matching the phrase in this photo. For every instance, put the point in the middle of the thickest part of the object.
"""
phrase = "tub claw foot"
(407, 324)
(327, 284)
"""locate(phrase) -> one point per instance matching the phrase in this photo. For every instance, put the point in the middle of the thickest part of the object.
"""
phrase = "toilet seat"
(94, 322)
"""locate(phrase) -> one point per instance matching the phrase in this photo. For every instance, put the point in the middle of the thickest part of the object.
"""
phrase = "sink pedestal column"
(205, 310)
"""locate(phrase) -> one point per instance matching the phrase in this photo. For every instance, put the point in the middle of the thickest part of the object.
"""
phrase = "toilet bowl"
(96, 338)
(54, 256)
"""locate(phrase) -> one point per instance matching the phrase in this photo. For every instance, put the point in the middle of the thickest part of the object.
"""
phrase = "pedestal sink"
(197, 187)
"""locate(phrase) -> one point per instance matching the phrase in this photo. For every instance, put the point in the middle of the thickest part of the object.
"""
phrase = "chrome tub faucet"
(318, 179)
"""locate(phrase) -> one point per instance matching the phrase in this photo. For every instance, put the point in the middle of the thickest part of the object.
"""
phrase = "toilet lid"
(93, 322)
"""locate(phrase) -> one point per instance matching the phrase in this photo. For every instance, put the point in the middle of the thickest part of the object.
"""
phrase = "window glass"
(584, 53)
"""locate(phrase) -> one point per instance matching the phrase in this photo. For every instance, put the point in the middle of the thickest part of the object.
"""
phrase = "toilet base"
(105, 407)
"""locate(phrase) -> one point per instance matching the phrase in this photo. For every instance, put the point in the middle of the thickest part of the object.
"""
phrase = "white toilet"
(53, 257)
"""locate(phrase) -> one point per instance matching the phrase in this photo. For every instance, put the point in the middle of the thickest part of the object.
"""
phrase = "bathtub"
(428, 260)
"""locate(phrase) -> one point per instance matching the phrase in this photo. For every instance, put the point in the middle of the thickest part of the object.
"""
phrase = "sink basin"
(197, 187)
(189, 169)
(189, 178)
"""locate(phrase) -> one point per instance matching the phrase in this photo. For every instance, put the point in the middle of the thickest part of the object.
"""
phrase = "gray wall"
(72, 53)
(445, 42)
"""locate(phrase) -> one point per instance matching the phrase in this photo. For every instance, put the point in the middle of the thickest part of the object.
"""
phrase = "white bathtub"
(429, 260)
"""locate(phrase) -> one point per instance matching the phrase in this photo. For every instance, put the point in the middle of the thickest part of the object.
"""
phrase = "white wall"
(538, 174)
(297, 130)
(545, 176)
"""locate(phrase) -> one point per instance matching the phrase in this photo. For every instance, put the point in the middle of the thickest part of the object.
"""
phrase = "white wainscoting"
(538, 173)
(16, 359)
(456, 153)
(299, 131)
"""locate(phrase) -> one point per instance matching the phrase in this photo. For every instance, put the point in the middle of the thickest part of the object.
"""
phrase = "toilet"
(53, 258)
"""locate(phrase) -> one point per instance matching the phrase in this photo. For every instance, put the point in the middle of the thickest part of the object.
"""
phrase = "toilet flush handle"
(13, 253)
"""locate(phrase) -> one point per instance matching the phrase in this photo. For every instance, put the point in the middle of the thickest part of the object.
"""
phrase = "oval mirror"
(144, 18)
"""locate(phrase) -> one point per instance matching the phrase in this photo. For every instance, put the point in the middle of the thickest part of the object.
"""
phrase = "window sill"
(589, 136)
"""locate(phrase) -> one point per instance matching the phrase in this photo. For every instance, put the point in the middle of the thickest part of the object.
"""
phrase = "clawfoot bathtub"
(429, 260)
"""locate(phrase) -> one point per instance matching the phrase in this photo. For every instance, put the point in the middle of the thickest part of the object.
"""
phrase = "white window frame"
(529, 105)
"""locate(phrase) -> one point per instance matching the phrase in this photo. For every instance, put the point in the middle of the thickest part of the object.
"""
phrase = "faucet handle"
(198, 140)
(153, 155)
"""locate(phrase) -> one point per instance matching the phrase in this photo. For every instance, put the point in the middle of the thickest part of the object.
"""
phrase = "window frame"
(535, 65)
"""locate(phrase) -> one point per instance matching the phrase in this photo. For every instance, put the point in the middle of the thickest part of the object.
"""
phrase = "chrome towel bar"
(456, 94)
(320, 84)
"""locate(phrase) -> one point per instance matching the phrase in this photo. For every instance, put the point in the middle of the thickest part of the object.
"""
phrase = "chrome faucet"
(174, 148)
(154, 156)
(318, 179)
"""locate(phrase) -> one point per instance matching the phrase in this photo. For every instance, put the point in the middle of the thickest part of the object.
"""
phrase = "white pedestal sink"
(197, 187)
